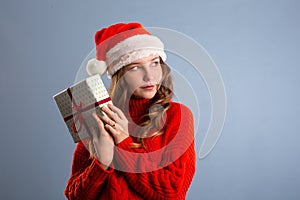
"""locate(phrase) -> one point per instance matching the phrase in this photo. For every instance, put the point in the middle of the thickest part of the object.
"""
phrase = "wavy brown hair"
(159, 104)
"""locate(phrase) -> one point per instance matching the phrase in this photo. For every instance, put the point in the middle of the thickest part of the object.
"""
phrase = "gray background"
(255, 45)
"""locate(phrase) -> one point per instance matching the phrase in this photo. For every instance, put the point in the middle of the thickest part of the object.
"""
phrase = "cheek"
(158, 75)
(131, 82)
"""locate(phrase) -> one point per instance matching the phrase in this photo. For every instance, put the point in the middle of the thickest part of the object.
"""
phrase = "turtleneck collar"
(137, 108)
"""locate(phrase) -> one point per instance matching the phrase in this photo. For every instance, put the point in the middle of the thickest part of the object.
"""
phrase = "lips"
(148, 87)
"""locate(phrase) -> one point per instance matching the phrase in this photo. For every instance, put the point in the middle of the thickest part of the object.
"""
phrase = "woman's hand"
(115, 122)
(103, 143)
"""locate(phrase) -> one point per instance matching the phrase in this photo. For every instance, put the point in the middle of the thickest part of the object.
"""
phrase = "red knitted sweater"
(162, 169)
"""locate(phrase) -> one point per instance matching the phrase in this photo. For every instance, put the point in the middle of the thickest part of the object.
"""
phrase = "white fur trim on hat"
(133, 48)
(95, 66)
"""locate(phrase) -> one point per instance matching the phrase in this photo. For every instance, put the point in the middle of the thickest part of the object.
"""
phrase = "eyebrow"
(139, 63)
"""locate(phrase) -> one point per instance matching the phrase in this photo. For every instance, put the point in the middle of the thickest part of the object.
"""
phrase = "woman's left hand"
(115, 122)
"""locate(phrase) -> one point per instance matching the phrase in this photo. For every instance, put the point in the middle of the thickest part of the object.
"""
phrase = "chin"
(147, 95)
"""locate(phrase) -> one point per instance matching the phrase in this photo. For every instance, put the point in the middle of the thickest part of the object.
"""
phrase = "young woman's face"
(143, 77)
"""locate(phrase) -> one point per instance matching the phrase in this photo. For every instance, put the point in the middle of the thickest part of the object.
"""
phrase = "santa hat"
(121, 44)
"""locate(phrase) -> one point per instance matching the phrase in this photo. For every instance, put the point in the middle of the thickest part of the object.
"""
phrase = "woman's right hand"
(103, 143)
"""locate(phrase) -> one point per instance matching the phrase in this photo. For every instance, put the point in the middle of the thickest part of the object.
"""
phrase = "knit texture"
(165, 165)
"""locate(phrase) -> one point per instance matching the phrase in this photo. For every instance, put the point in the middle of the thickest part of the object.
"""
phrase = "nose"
(148, 75)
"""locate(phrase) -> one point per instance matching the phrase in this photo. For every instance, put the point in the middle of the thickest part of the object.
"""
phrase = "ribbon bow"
(78, 116)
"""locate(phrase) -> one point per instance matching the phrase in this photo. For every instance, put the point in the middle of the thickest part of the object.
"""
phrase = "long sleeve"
(87, 177)
(166, 172)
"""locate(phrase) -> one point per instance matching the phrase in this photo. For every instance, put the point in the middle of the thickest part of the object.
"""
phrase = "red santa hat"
(121, 44)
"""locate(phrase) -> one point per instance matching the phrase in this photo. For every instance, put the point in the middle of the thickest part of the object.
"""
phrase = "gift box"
(77, 103)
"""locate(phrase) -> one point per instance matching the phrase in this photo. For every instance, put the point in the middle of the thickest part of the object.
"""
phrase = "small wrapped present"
(77, 103)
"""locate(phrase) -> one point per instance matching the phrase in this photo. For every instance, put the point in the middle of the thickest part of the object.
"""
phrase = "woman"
(143, 146)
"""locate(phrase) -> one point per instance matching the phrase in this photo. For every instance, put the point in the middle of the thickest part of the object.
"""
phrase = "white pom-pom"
(95, 66)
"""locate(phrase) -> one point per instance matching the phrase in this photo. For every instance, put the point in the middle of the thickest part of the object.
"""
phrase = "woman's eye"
(134, 68)
(155, 63)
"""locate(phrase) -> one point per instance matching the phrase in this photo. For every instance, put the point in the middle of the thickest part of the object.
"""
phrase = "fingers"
(111, 129)
(99, 122)
(100, 125)
(112, 115)
(118, 135)
(116, 110)
(107, 119)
